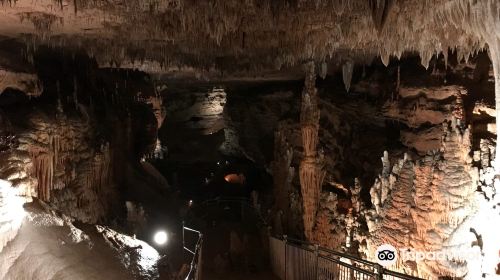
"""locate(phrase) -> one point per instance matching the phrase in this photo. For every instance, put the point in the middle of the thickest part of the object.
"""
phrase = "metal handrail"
(371, 273)
(369, 268)
(196, 262)
(398, 274)
(340, 254)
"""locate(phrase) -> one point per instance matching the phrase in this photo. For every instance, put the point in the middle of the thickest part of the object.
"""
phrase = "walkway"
(234, 246)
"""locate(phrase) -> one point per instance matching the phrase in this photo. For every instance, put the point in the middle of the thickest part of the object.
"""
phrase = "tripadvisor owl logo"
(386, 255)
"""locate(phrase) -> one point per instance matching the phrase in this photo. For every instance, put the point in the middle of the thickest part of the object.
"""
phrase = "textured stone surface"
(245, 36)
(425, 195)
(311, 169)
(420, 204)
(435, 188)
(49, 246)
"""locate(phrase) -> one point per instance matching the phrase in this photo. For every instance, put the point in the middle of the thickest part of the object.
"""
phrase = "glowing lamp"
(235, 178)
(160, 237)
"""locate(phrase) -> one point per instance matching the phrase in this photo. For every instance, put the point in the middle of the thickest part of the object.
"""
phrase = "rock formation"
(425, 202)
(311, 168)
(60, 153)
(396, 142)
(283, 174)
(51, 246)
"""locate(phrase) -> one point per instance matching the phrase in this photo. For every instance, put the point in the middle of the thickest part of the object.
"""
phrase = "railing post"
(316, 254)
(380, 272)
(200, 257)
(286, 271)
(183, 225)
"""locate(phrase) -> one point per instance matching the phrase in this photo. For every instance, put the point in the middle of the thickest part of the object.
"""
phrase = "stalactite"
(347, 70)
(380, 10)
(43, 164)
(385, 57)
(311, 170)
(398, 80)
(323, 70)
(425, 58)
(99, 174)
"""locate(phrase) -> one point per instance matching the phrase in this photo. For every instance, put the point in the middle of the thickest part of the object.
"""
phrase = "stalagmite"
(407, 209)
(283, 174)
(311, 168)
(357, 204)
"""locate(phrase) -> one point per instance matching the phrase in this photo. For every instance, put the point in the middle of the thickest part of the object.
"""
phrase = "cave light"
(234, 178)
(161, 237)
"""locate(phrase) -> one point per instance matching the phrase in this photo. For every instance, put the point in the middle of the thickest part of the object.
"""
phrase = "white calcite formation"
(434, 193)
(425, 204)
(49, 246)
(11, 212)
(439, 200)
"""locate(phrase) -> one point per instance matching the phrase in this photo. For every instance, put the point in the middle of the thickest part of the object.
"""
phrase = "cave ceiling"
(252, 36)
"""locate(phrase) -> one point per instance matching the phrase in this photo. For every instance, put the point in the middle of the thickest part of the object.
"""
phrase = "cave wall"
(74, 144)
(433, 129)
(431, 187)
(54, 161)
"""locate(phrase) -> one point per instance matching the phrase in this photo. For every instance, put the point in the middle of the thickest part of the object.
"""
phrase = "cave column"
(311, 170)
(495, 59)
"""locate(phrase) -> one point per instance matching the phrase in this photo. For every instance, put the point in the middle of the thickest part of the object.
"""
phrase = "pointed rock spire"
(347, 70)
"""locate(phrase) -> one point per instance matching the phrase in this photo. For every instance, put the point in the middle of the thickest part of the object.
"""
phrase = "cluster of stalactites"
(45, 162)
(99, 175)
(222, 28)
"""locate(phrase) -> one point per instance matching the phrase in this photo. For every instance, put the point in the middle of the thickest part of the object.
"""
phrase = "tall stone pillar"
(311, 170)
(494, 47)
